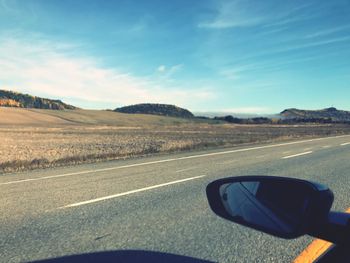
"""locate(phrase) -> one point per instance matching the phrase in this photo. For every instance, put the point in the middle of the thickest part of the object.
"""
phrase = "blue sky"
(223, 56)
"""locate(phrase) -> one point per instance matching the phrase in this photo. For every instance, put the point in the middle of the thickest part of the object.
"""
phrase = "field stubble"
(25, 148)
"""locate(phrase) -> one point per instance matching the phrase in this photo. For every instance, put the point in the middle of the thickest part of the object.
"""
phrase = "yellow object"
(314, 250)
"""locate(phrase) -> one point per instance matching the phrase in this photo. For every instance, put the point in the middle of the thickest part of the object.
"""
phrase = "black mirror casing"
(315, 211)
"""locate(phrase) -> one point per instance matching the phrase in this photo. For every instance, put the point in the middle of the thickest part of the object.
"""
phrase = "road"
(158, 203)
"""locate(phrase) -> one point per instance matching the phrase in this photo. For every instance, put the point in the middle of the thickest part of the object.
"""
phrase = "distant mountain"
(16, 99)
(156, 109)
(212, 114)
(332, 114)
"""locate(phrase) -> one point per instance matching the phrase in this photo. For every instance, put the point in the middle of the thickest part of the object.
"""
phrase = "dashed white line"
(130, 192)
(227, 162)
(184, 170)
(326, 146)
(49, 177)
(296, 155)
(343, 144)
(170, 160)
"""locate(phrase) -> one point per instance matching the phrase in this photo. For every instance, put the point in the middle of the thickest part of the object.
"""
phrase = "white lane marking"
(47, 177)
(171, 160)
(184, 170)
(343, 144)
(296, 155)
(326, 146)
(130, 192)
(260, 156)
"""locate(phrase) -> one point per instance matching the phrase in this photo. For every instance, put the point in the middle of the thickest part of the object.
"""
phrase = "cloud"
(234, 73)
(328, 31)
(313, 44)
(168, 72)
(176, 68)
(44, 68)
(161, 68)
(285, 56)
(247, 13)
(6, 5)
(265, 65)
(233, 14)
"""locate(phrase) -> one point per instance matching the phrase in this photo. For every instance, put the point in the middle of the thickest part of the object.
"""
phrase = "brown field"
(44, 138)
(38, 117)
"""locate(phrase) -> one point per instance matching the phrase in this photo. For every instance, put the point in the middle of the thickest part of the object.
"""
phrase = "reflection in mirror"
(275, 206)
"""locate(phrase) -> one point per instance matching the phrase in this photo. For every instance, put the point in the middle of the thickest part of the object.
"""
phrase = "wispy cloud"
(13, 9)
(6, 6)
(234, 73)
(233, 14)
(161, 68)
(45, 68)
(313, 44)
(284, 55)
(263, 66)
(329, 31)
(175, 68)
(239, 13)
(168, 72)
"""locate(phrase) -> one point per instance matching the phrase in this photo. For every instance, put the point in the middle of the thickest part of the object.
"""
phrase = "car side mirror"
(283, 207)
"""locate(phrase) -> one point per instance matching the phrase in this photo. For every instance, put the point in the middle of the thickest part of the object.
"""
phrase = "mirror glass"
(269, 205)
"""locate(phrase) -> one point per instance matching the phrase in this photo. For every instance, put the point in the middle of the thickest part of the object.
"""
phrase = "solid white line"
(129, 192)
(171, 160)
(343, 144)
(296, 155)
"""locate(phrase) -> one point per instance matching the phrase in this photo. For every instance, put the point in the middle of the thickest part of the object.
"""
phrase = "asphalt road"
(158, 203)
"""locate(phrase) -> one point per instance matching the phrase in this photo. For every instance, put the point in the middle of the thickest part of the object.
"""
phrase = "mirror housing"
(283, 207)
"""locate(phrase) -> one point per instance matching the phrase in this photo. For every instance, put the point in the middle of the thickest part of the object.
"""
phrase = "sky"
(243, 56)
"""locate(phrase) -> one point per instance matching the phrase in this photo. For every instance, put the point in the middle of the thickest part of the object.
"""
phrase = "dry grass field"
(39, 117)
(33, 139)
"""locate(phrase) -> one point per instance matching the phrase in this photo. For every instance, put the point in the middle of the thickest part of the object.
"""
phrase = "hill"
(19, 100)
(156, 109)
(28, 117)
(52, 118)
(331, 114)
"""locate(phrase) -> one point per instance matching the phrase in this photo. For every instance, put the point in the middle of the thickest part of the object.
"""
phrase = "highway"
(159, 203)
